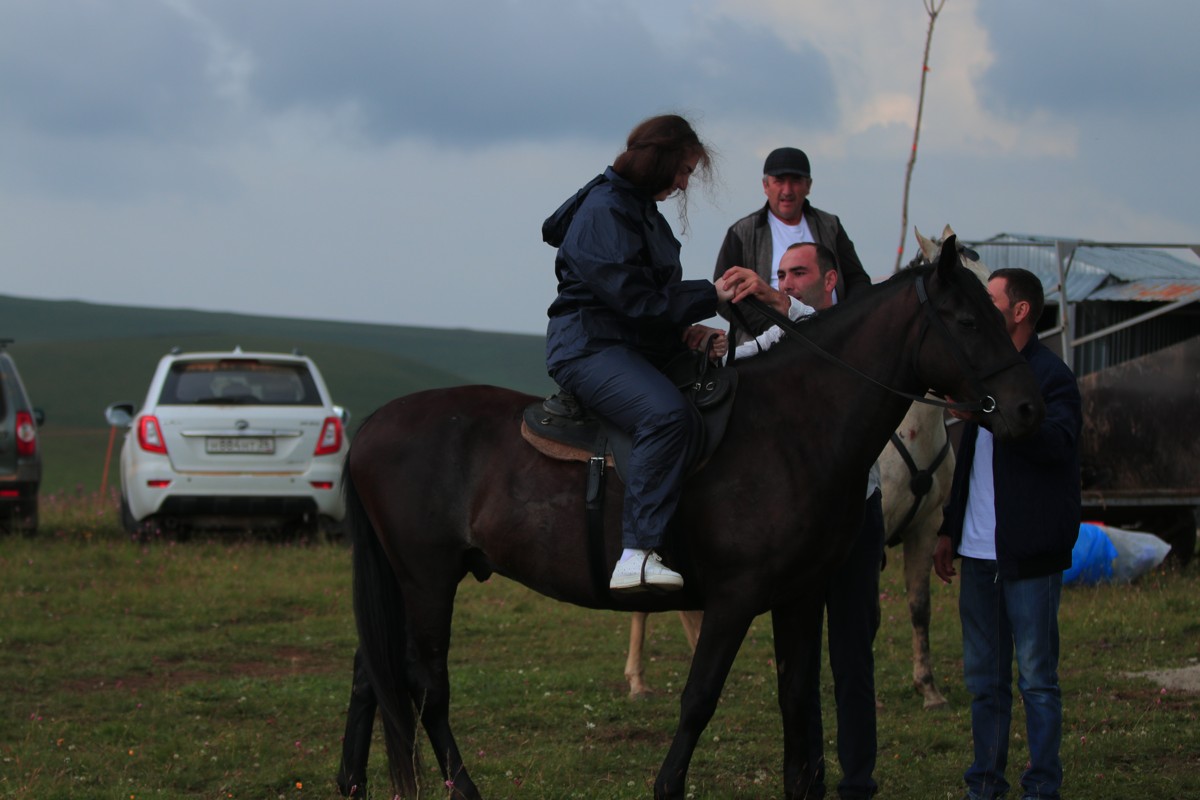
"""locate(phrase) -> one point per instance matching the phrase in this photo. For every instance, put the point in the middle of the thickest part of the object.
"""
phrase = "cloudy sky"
(392, 161)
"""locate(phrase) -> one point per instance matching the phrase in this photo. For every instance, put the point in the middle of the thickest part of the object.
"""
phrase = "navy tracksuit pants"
(623, 386)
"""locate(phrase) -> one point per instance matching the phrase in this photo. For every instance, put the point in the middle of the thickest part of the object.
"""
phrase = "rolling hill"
(75, 358)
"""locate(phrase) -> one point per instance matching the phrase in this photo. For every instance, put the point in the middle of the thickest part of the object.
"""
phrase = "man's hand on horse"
(743, 283)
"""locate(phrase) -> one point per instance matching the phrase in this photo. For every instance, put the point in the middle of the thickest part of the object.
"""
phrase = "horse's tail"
(382, 635)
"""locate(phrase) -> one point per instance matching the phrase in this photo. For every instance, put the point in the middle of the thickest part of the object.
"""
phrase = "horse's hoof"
(935, 702)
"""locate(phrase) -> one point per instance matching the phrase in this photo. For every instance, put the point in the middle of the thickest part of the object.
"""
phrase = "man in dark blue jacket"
(1013, 517)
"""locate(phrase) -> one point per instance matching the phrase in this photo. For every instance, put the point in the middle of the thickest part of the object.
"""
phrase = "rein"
(986, 405)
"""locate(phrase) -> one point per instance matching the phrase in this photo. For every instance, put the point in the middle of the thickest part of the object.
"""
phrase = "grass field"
(221, 669)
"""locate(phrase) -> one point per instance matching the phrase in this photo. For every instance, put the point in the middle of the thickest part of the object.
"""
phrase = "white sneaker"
(642, 572)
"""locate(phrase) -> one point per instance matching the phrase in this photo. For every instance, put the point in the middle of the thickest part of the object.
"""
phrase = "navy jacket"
(620, 281)
(1036, 479)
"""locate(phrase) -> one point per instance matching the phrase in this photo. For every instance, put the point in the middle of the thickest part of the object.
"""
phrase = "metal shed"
(1124, 300)
(1130, 330)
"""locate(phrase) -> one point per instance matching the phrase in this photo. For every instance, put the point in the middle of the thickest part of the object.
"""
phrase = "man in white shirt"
(758, 240)
(807, 277)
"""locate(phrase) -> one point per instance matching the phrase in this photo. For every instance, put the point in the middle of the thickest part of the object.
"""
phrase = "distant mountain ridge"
(77, 357)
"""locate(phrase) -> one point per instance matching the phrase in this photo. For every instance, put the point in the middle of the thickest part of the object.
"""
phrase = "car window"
(239, 381)
(4, 390)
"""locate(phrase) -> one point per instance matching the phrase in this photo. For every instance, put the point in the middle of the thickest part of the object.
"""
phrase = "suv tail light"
(150, 436)
(330, 440)
(26, 435)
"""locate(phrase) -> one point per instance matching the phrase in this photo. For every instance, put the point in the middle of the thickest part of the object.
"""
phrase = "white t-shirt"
(784, 236)
(979, 526)
(771, 336)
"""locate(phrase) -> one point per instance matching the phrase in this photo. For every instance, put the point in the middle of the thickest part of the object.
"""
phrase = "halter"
(930, 318)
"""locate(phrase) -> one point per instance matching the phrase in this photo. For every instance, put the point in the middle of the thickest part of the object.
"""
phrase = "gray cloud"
(101, 70)
(518, 70)
(458, 72)
(1093, 57)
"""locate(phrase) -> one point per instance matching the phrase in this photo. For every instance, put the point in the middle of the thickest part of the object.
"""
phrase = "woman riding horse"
(621, 315)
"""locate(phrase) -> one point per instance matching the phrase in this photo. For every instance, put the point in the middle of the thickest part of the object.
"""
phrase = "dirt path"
(1184, 679)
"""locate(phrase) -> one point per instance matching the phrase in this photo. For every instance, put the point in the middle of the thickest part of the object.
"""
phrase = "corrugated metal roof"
(1158, 290)
(1097, 271)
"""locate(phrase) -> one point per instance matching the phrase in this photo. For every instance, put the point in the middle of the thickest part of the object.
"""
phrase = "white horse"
(913, 497)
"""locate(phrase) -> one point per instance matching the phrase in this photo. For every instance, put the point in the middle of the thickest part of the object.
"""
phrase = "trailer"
(1130, 329)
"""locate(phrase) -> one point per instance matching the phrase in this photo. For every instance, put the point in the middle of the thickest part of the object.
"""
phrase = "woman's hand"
(697, 337)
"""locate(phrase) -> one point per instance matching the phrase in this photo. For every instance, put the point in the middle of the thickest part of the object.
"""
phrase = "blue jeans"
(999, 618)
(624, 387)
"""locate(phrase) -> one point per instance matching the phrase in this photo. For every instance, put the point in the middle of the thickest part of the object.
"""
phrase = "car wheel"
(131, 525)
(333, 531)
(302, 528)
(25, 518)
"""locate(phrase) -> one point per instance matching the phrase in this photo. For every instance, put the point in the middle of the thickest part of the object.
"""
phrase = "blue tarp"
(1103, 553)
(1092, 557)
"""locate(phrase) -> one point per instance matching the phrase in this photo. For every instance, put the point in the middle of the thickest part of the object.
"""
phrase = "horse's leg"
(797, 630)
(429, 680)
(634, 670)
(919, 542)
(691, 626)
(428, 588)
(716, 649)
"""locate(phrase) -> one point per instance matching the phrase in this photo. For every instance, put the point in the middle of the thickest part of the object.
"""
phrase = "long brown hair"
(656, 150)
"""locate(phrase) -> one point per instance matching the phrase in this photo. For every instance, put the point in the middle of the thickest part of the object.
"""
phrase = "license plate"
(254, 445)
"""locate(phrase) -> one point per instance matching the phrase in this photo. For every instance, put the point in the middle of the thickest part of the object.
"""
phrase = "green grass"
(220, 668)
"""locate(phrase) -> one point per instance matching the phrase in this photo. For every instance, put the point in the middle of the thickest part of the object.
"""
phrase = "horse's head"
(931, 249)
(965, 352)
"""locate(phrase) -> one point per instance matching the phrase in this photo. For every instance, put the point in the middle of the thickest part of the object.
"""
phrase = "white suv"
(232, 439)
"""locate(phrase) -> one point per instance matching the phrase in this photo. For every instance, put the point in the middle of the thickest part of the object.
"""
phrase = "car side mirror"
(119, 415)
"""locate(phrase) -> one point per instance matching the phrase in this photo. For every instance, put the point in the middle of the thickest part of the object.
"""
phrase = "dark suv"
(20, 456)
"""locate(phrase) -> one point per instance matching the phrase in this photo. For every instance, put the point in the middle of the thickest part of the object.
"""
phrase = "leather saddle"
(561, 428)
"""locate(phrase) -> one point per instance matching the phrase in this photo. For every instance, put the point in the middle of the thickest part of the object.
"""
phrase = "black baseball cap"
(787, 161)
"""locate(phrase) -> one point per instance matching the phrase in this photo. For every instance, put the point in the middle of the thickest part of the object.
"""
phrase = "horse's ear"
(948, 258)
(928, 248)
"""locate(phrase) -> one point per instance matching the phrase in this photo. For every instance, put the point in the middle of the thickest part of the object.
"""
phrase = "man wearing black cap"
(758, 240)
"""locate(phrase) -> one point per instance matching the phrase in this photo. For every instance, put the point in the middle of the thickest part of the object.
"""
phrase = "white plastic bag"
(1137, 553)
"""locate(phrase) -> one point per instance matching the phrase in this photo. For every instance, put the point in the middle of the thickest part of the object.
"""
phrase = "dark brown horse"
(441, 485)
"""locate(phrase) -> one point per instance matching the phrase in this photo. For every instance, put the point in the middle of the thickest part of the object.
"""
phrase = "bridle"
(930, 319)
